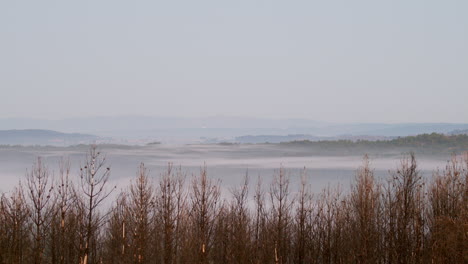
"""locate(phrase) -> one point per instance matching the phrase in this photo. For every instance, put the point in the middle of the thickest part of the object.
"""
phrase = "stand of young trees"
(173, 219)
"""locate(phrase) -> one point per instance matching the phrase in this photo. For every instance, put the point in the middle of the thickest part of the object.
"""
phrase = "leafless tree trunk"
(117, 236)
(16, 240)
(404, 214)
(448, 217)
(63, 230)
(365, 215)
(280, 218)
(41, 200)
(262, 252)
(302, 225)
(94, 178)
(141, 215)
(239, 225)
(170, 206)
(205, 206)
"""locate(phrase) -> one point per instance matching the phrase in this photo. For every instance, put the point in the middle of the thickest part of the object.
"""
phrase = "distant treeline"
(403, 219)
(425, 143)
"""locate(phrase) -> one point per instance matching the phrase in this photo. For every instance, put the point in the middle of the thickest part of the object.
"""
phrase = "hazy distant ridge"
(219, 128)
(250, 139)
(43, 137)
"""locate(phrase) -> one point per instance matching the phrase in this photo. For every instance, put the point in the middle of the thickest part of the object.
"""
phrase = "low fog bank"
(228, 163)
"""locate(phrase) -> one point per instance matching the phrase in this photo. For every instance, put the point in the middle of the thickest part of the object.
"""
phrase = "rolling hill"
(43, 137)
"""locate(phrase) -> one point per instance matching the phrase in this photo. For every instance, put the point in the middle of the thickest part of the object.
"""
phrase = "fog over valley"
(228, 132)
(229, 163)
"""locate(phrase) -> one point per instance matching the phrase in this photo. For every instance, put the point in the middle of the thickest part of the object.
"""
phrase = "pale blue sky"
(342, 61)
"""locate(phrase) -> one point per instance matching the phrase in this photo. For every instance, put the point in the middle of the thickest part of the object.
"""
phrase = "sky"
(338, 61)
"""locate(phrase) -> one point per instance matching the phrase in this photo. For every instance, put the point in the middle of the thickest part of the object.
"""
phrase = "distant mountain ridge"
(43, 137)
(221, 128)
(251, 139)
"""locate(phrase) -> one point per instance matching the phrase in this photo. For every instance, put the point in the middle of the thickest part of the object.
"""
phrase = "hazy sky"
(364, 61)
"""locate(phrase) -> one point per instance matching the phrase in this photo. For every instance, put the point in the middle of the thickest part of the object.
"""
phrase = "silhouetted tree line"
(176, 219)
(433, 143)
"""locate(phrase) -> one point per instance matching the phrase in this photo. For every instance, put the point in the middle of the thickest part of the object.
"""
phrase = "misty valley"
(292, 202)
(233, 132)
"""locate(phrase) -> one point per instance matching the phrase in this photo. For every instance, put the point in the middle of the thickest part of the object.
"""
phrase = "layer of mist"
(228, 163)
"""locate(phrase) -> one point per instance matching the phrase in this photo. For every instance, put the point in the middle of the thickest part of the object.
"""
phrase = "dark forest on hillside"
(433, 144)
(65, 217)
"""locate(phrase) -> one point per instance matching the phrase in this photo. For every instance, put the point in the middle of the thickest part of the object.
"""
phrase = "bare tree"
(94, 177)
(365, 215)
(448, 217)
(302, 225)
(117, 241)
(169, 223)
(280, 218)
(141, 215)
(63, 230)
(404, 203)
(330, 224)
(240, 224)
(170, 211)
(221, 249)
(205, 206)
(15, 228)
(41, 200)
